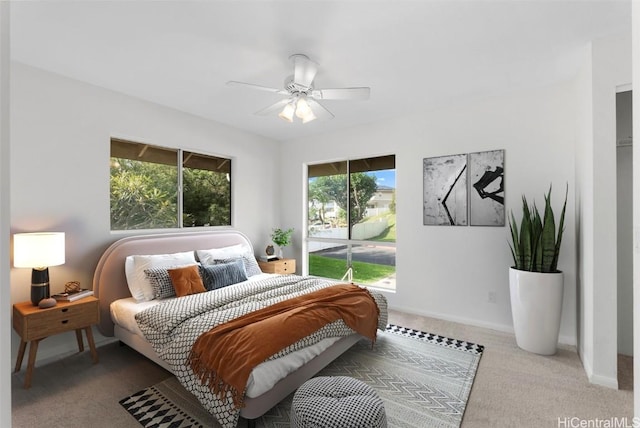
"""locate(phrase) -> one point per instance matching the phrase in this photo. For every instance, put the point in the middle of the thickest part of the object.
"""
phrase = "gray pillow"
(223, 274)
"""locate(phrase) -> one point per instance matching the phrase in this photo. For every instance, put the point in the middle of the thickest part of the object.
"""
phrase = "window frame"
(180, 164)
(348, 241)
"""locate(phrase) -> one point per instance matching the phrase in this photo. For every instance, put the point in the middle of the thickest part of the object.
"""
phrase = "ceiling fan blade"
(258, 87)
(361, 93)
(273, 107)
(319, 110)
(304, 70)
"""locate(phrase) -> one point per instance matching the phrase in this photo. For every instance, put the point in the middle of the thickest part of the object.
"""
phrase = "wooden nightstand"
(34, 324)
(282, 266)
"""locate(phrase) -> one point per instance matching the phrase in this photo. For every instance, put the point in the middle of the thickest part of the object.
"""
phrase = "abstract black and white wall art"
(445, 190)
(486, 188)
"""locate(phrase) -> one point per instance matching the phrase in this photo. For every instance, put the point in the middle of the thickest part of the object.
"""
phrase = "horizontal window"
(151, 189)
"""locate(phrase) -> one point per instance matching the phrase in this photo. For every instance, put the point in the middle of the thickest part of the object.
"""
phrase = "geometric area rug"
(423, 379)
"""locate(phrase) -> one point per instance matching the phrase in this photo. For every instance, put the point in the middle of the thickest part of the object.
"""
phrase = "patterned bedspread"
(173, 326)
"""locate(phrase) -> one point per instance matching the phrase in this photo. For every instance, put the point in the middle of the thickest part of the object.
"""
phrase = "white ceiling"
(415, 55)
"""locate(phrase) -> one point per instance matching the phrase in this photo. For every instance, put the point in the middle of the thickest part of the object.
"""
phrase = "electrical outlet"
(492, 297)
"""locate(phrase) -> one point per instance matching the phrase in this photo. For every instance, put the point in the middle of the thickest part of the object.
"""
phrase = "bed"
(118, 307)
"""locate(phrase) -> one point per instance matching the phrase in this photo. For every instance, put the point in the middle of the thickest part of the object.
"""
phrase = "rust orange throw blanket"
(224, 357)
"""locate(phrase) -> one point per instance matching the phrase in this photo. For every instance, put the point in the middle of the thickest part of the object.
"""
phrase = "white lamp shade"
(38, 250)
(308, 117)
(287, 112)
(302, 108)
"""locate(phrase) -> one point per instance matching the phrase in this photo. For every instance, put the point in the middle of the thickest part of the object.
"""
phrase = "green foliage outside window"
(334, 188)
(206, 199)
(144, 196)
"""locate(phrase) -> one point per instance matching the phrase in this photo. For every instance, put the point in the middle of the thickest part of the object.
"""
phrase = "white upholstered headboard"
(109, 281)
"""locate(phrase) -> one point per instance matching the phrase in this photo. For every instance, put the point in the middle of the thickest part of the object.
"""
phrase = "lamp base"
(39, 285)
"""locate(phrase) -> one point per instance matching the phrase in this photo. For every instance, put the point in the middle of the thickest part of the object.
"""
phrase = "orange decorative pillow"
(186, 280)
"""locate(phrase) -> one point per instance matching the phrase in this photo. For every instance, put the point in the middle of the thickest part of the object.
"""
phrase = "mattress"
(263, 377)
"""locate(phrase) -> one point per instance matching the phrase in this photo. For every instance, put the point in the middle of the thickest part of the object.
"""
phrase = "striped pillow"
(223, 274)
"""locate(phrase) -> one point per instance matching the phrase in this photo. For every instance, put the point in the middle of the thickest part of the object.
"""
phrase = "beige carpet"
(512, 388)
(625, 372)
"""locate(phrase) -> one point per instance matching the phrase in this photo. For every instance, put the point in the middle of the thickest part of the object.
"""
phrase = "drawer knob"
(65, 321)
(65, 309)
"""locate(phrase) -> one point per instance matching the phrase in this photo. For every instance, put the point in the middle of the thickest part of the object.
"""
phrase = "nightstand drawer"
(62, 317)
(287, 266)
(283, 266)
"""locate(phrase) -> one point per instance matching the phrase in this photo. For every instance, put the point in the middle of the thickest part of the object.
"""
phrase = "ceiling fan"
(301, 95)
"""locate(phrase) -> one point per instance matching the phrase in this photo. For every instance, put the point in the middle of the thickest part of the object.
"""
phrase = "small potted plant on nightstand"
(281, 238)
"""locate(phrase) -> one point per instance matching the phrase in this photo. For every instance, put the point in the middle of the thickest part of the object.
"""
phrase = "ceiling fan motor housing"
(293, 87)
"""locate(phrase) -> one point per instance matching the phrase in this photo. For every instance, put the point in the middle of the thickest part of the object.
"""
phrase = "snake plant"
(536, 247)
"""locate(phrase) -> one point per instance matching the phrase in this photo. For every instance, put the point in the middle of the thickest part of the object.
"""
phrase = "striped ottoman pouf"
(337, 401)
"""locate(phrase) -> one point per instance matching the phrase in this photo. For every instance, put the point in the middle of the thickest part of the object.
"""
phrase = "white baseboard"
(460, 320)
(565, 340)
(596, 379)
(606, 381)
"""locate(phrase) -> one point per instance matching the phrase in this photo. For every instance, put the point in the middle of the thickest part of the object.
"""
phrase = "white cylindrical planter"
(536, 306)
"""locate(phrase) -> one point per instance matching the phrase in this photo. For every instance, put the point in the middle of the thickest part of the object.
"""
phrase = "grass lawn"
(364, 273)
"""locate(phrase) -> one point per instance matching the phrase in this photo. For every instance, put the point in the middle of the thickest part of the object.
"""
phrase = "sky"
(385, 177)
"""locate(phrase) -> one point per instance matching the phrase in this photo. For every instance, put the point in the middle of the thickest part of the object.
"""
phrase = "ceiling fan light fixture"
(302, 108)
(308, 117)
(287, 112)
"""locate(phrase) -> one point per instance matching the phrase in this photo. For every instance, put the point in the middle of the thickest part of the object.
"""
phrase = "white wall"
(635, 12)
(448, 272)
(584, 209)
(607, 66)
(5, 302)
(60, 145)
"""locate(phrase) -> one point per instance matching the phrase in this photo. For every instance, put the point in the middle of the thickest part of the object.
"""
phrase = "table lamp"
(38, 251)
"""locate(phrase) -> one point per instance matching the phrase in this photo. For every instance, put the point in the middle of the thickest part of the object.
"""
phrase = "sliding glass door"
(351, 232)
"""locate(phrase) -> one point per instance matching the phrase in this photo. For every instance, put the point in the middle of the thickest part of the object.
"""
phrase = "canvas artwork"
(445, 190)
(486, 188)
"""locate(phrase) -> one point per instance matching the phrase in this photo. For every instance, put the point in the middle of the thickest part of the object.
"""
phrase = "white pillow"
(139, 285)
(208, 257)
